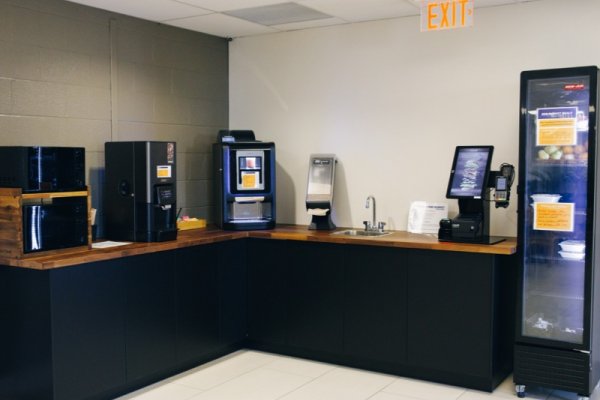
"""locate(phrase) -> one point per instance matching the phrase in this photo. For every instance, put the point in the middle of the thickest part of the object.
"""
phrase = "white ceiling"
(209, 16)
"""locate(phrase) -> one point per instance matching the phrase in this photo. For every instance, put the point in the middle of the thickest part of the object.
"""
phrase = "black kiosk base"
(471, 225)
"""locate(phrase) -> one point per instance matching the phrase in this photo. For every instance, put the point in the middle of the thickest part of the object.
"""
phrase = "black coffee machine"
(140, 198)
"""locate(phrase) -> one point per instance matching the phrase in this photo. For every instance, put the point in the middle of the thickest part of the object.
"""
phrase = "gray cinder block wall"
(72, 75)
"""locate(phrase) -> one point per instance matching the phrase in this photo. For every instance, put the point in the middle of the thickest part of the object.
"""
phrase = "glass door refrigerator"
(558, 324)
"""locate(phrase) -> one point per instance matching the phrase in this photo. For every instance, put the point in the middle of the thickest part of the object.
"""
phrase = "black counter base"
(99, 330)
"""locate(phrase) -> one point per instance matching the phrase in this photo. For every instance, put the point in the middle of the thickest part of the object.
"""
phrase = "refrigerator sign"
(446, 14)
(553, 216)
(556, 126)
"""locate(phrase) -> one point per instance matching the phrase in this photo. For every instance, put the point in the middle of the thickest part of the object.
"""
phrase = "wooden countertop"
(64, 258)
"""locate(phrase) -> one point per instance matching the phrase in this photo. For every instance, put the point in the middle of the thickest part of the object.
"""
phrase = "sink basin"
(357, 232)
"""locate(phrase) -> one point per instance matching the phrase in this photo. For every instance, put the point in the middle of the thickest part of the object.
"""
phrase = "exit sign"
(446, 14)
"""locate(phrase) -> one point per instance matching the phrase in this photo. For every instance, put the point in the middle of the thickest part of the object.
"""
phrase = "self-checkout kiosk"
(244, 181)
(319, 193)
(471, 183)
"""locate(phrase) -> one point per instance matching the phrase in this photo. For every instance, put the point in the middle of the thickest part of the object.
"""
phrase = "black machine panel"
(141, 192)
(42, 169)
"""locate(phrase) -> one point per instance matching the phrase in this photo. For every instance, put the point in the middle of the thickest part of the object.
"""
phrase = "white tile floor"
(252, 375)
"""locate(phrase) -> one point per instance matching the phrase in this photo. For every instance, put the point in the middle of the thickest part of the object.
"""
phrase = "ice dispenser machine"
(319, 193)
(140, 194)
(244, 181)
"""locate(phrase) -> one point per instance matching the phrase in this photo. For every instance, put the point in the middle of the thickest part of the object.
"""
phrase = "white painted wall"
(392, 102)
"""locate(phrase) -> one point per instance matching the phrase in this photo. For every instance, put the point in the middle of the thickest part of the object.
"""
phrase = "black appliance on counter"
(42, 169)
(140, 194)
(244, 181)
(51, 224)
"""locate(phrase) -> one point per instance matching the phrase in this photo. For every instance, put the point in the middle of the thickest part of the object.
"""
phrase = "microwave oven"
(51, 224)
(42, 169)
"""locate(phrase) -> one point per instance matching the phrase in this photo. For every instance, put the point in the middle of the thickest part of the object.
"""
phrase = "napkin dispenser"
(319, 192)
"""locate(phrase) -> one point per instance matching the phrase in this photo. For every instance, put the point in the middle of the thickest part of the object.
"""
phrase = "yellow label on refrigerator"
(553, 216)
(556, 126)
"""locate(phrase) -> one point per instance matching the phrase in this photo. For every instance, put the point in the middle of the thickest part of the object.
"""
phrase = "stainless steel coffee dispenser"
(244, 181)
(140, 192)
(319, 193)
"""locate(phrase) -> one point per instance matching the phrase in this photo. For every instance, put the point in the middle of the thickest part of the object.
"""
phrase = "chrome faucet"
(374, 213)
(373, 226)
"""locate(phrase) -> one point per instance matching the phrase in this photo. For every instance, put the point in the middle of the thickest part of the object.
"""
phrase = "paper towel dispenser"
(319, 191)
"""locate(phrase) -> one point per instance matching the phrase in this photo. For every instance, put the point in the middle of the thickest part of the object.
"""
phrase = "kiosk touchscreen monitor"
(469, 174)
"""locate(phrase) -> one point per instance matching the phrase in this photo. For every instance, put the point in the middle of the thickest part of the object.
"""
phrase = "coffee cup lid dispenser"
(319, 192)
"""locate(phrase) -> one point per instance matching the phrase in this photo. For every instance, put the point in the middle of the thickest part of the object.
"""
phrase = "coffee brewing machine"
(244, 181)
(471, 183)
(319, 191)
(140, 194)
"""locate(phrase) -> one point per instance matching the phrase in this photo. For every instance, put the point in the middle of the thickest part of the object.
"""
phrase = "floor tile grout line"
(399, 378)
(230, 379)
(295, 373)
(304, 384)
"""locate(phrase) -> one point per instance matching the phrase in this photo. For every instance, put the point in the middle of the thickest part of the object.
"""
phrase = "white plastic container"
(573, 246)
(571, 256)
(545, 198)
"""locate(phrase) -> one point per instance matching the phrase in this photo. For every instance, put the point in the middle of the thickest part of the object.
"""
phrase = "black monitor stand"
(471, 225)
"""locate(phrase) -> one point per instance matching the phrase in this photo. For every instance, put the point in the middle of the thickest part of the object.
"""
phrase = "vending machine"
(244, 181)
(558, 323)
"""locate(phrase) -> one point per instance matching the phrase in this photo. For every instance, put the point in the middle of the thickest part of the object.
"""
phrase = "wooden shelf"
(11, 221)
(53, 195)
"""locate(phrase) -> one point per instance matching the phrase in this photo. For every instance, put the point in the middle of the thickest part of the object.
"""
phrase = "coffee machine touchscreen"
(250, 171)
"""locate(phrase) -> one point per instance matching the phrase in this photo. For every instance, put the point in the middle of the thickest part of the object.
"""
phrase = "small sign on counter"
(108, 244)
(425, 217)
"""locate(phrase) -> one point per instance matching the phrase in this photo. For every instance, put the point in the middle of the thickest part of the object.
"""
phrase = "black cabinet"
(295, 296)
(88, 326)
(437, 315)
(25, 335)
(232, 286)
(268, 263)
(197, 303)
(375, 303)
(150, 314)
(315, 296)
(97, 330)
(450, 312)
